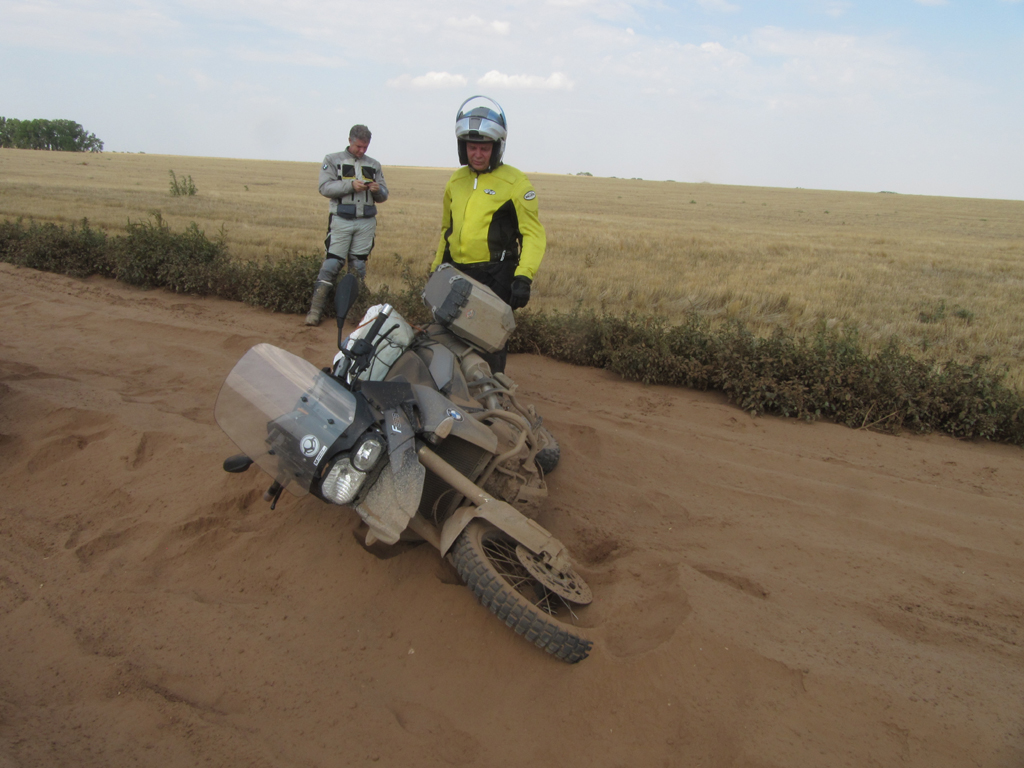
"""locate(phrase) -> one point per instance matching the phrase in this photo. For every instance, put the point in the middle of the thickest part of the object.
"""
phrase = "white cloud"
(837, 8)
(795, 75)
(719, 53)
(97, 27)
(836, 64)
(602, 9)
(557, 81)
(475, 24)
(201, 79)
(303, 56)
(718, 5)
(431, 80)
(682, 71)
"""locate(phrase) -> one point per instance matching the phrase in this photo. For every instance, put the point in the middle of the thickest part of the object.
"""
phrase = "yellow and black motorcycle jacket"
(491, 217)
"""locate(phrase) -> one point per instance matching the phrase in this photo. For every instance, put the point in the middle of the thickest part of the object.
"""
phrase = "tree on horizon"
(54, 135)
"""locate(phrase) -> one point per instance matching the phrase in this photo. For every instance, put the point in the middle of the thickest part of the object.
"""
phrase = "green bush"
(827, 375)
(281, 286)
(824, 375)
(150, 255)
(183, 187)
(78, 251)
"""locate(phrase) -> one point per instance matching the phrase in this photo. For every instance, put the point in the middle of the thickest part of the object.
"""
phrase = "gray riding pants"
(348, 240)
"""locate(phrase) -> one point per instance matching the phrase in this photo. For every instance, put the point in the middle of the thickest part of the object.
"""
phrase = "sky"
(910, 96)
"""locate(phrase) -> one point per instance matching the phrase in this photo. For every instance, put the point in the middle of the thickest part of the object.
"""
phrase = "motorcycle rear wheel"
(547, 457)
(485, 558)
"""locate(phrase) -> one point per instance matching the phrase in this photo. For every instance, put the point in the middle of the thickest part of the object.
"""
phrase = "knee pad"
(358, 264)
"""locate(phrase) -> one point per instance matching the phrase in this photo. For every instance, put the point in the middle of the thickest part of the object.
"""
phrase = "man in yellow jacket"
(489, 224)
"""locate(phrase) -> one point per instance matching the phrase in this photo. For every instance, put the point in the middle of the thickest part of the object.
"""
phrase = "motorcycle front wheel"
(485, 558)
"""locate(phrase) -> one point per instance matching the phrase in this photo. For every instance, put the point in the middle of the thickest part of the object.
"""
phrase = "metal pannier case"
(469, 308)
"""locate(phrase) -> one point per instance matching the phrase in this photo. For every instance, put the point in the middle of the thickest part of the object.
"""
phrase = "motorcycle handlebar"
(382, 316)
(362, 352)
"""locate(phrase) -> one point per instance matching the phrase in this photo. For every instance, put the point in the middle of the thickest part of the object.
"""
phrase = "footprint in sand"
(438, 734)
(642, 605)
(101, 545)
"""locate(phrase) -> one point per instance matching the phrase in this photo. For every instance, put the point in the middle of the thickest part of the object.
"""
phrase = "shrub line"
(824, 375)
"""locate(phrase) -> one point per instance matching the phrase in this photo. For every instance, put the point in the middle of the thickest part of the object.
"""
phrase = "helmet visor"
(480, 119)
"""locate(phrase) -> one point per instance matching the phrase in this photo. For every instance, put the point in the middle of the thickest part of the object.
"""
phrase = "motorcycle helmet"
(477, 120)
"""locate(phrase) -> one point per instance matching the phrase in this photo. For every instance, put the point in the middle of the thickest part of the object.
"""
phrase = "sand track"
(768, 593)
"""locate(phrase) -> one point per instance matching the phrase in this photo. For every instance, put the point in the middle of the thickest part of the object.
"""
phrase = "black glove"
(520, 292)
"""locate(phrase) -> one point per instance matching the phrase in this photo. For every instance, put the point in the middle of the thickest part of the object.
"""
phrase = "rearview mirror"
(345, 295)
(238, 463)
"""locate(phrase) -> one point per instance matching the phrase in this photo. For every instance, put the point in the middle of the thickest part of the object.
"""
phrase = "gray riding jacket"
(338, 172)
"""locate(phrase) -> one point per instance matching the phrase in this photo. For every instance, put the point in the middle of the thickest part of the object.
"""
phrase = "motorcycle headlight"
(342, 482)
(365, 457)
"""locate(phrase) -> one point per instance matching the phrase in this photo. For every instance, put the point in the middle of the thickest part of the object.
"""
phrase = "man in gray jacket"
(355, 184)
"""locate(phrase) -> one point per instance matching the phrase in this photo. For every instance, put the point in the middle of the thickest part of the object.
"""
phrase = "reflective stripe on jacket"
(337, 173)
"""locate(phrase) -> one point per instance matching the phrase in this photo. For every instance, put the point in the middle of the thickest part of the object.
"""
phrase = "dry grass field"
(943, 275)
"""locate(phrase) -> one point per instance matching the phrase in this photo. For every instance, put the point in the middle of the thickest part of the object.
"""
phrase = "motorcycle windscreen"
(284, 413)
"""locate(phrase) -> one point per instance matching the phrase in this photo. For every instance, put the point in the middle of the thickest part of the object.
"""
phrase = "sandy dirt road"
(768, 593)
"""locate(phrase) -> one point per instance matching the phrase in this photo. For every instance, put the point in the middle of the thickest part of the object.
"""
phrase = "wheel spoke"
(502, 554)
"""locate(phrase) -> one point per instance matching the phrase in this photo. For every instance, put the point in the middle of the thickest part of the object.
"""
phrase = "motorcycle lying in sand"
(412, 429)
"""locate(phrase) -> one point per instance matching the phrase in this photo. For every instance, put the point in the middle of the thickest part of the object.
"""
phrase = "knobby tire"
(475, 554)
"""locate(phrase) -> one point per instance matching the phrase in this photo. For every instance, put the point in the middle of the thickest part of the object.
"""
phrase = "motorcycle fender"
(527, 532)
(393, 500)
(435, 408)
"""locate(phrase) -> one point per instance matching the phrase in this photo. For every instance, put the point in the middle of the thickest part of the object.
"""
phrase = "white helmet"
(478, 121)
